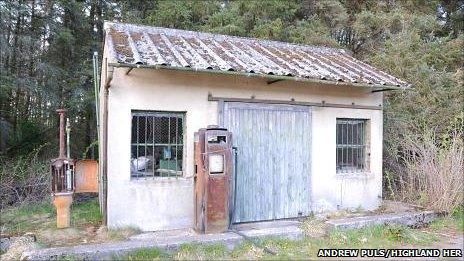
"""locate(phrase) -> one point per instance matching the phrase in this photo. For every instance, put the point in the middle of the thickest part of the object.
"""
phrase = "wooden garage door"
(273, 168)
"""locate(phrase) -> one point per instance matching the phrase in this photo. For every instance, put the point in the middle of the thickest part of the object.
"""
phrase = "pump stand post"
(62, 202)
(62, 154)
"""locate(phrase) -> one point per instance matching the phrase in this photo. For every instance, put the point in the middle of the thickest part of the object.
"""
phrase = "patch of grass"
(87, 212)
(122, 233)
(146, 254)
(372, 237)
(458, 215)
(460, 225)
(24, 211)
(392, 236)
(193, 251)
(378, 237)
(32, 217)
(452, 222)
(201, 251)
(405, 235)
(246, 250)
(342, 238)
(289, 249)
(25, 217)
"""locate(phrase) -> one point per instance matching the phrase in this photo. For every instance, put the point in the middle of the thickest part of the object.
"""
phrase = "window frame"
(358, 145)
(156, 113)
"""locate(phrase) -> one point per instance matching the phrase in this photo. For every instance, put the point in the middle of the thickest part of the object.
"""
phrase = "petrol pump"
(213, 171)
(62, 171)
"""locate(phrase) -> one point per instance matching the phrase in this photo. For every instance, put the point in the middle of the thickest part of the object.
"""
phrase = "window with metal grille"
(157, 144)
(351, 145)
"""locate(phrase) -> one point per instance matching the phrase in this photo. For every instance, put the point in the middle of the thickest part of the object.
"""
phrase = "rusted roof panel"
(136, 44)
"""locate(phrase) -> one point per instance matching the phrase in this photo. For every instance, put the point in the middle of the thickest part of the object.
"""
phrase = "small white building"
(307, 123)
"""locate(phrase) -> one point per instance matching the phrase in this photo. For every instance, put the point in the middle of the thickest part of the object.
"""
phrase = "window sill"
(160, 173)
(354, 175)
(160, 179)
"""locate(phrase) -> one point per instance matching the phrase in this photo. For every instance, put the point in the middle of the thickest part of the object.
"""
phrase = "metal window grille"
(157, 144)
(351, 145)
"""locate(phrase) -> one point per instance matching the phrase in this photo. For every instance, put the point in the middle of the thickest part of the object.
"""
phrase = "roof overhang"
(373, 87)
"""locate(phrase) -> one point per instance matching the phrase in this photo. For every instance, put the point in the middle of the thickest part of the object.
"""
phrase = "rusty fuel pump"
(213, 172)
(62, 170)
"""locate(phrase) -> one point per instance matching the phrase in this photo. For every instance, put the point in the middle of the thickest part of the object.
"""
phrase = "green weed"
(87, 212)
(32, 217)
(458, 215)
(246, 249)
(68, 258)
(25, 217)
(377, 237)
(451, 222)
(146, 254)
(201, 251)
(289, 249)
(372, 237)
(122, 233)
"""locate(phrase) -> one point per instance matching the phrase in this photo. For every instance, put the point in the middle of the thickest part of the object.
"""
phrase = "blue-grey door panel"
(273, 170)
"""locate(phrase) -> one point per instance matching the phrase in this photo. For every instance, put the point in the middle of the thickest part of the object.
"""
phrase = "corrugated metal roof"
(130, 44)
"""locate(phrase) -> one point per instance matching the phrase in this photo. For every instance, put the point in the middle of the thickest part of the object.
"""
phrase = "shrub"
(429, 171)
(24, 179)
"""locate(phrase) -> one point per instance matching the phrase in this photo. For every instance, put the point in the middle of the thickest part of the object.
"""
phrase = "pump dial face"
(216, 163)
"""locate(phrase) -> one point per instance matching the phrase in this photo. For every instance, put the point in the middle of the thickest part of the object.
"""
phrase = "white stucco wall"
(167, 203)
